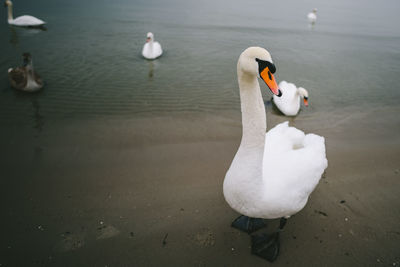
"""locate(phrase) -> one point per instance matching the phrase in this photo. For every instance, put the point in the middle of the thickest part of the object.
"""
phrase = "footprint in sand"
(70, 241)
(106, 231)
(205, 238)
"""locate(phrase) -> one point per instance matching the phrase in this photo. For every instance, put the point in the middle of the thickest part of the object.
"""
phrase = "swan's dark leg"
(247, 224)
(267, 245)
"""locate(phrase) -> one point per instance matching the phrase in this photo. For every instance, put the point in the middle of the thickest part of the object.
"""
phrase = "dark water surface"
(90, 56)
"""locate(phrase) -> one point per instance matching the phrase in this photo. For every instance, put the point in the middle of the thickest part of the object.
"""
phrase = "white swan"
(22, 21)
(289, 102)
(273, 174)
(312, 16)
(151, 49)
(25, 78)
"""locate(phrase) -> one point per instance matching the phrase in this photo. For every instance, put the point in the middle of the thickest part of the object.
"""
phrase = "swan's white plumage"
(151, 49)
(26, 20)
(312, 16)
(272, 174)
(292, 167)
(289, 102)
(22, 21)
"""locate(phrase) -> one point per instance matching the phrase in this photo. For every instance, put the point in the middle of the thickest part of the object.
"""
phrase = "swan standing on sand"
(151, 49)
(22, 21)
(312, 16)
(273, 174)
(289, 102)
(25, 78)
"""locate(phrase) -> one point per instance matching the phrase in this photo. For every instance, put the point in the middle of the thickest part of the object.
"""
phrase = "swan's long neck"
(253, 112)
(31, 79)
(10, 13)
(249, 156)
(150, 44)
(29, 67)
(246, 169)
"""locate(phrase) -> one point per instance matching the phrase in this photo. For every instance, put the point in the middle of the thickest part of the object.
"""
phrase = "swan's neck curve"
(246, 169)
(31, 78)
(253, 112)
(10, 13)
(249, 157)
(29, 67)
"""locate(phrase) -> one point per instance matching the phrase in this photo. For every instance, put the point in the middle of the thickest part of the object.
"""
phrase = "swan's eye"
(262, 64)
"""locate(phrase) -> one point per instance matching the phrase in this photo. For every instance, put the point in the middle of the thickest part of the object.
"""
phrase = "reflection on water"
(151, 69)
(38, 118)
(13, 37)
(16, 32)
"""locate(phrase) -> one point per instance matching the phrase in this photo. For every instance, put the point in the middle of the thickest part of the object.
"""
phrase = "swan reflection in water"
(38, 120)
(16, 31)
(153, 65)
(14, 40)
(151, 70)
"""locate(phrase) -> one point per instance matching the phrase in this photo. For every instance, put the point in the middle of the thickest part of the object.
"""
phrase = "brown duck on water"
(24, 78)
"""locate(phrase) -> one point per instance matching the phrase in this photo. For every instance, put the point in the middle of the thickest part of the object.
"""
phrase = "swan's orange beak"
(305, 99)
(269, 79)
(148, 39)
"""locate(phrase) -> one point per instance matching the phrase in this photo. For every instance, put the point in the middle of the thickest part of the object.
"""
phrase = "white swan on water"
(272, 174)
(151, 48)
(312, 16)
(22, 21)
(289, 102)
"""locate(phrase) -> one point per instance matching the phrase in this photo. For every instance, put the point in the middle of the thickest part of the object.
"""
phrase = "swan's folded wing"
(38, 79)
(157, 49)
(293, 163)
(18, 78)
(27, 20)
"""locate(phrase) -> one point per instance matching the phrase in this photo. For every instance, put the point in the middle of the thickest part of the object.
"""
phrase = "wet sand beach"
(147, 191)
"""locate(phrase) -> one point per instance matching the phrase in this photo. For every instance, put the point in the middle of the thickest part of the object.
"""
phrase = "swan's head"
(150, 37)
(304, 94)
(27, 58)
(258, 62)
(7, 3)
(314, 11)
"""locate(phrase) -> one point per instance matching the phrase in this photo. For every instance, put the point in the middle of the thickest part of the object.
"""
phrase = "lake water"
(90, 56)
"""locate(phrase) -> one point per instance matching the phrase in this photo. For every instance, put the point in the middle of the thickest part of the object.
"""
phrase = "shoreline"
(122, 192)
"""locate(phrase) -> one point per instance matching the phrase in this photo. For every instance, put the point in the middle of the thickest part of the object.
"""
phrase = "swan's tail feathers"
(315, 154)
(286, 84)
(315, 141)
(283, 84)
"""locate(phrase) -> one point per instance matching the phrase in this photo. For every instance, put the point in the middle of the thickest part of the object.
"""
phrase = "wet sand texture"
(148, 192)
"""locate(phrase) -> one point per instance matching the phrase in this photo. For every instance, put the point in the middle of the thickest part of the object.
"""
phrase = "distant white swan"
(312, 16)
(289, 102)
(272, 174)
(151, 49)
(25, 78)
(22, 21)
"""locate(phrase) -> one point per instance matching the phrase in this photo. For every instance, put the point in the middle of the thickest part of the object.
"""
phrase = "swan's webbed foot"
(247, 224)
(266, 246)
